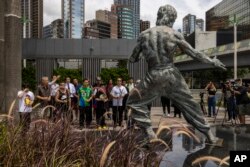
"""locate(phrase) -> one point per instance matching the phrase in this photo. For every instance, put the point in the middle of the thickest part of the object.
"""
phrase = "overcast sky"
(52, 9)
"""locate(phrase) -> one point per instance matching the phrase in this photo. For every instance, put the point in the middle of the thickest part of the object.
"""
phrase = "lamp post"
(235, 47)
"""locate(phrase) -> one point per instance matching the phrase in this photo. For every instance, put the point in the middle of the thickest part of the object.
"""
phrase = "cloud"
(149, 8)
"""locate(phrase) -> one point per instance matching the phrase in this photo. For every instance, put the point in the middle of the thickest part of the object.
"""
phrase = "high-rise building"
(54, 30)
(200, 24)
(125, 21)
(189, 23)
(91, 33)
(218, 17)
(73, 14)
(111, 18)
(144, 25)
(47, 31)
(102, 27)
(57, 28)
(135, 6)
(32, 17)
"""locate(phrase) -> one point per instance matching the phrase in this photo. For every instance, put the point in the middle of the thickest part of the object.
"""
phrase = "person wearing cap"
(26, 99)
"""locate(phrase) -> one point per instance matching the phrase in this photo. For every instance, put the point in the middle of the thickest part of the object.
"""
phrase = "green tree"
(114, 73)
(122, 63)
(29, 77)
(72, 73)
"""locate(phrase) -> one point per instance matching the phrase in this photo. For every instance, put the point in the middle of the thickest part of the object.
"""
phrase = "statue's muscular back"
(158, 46)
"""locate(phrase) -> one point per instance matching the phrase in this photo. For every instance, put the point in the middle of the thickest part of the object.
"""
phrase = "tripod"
(226, 110)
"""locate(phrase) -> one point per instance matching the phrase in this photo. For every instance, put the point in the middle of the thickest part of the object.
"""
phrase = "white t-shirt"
(118, 92)
(53, 89)
(26, 98)
(71, 89)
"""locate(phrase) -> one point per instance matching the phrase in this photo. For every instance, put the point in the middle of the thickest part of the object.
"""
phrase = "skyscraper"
(53, 30)
(125, 21)
(73, 18)
(47, 31)
(111, 18)
(102, 27)
(200, 24)
(218, 17)
(135, 6)
(144, 25)
(189, 23)
(32, 18)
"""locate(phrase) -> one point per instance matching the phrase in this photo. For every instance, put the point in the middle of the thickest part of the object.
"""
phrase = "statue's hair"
(166, 15)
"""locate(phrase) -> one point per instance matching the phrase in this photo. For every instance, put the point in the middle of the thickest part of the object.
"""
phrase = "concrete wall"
(205, 40)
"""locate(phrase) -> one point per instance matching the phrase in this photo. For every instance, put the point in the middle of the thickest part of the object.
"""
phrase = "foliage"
(64, 73)
(122, 63)
(114, 73)
(29, 77)
(59, 144)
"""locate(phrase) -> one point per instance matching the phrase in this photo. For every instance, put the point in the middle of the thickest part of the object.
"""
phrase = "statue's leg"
(137, 101)
(191, 110)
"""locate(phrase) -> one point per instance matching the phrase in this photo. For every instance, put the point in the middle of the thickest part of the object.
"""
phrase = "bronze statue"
(157, 45)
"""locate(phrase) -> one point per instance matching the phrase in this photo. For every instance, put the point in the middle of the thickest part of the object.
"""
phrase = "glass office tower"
(73, 18)
(135, 6)
(218, 17)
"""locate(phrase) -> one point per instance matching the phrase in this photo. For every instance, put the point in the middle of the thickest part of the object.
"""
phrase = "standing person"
(211, 91)
(43, 93)
(240, 91)
(118, 92)
(53, 88)
(165, 102)
(229, 100)
(124, 101)
(130, 84)
(101, 98)
(63, 101)
(109, 87)
(74, 101)
(157, 45)
(84, 97)
(26, 99)
(96, 87)
(72, 91)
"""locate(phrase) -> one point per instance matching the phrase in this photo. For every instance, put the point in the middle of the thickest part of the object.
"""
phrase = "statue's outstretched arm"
(189, 50)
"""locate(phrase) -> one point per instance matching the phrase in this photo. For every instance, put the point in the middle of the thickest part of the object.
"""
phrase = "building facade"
(189, 23)
(90, 33)
(219, 17)
(135, 6)
(57, 28)
(144, 25)
(47, 31)
(200, 24)
(32, 18)
(73, 15)
(54, 30)
(111, 18)
(125, 21)
(103, 28)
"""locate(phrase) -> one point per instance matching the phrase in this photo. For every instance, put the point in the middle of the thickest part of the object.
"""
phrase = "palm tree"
(1, 54)
(10, 51)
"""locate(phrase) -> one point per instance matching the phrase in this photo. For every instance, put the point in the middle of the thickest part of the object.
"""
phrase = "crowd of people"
(236, 97)
(79, 102)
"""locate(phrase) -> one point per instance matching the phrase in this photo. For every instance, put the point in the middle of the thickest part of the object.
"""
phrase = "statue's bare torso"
(158, 46)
